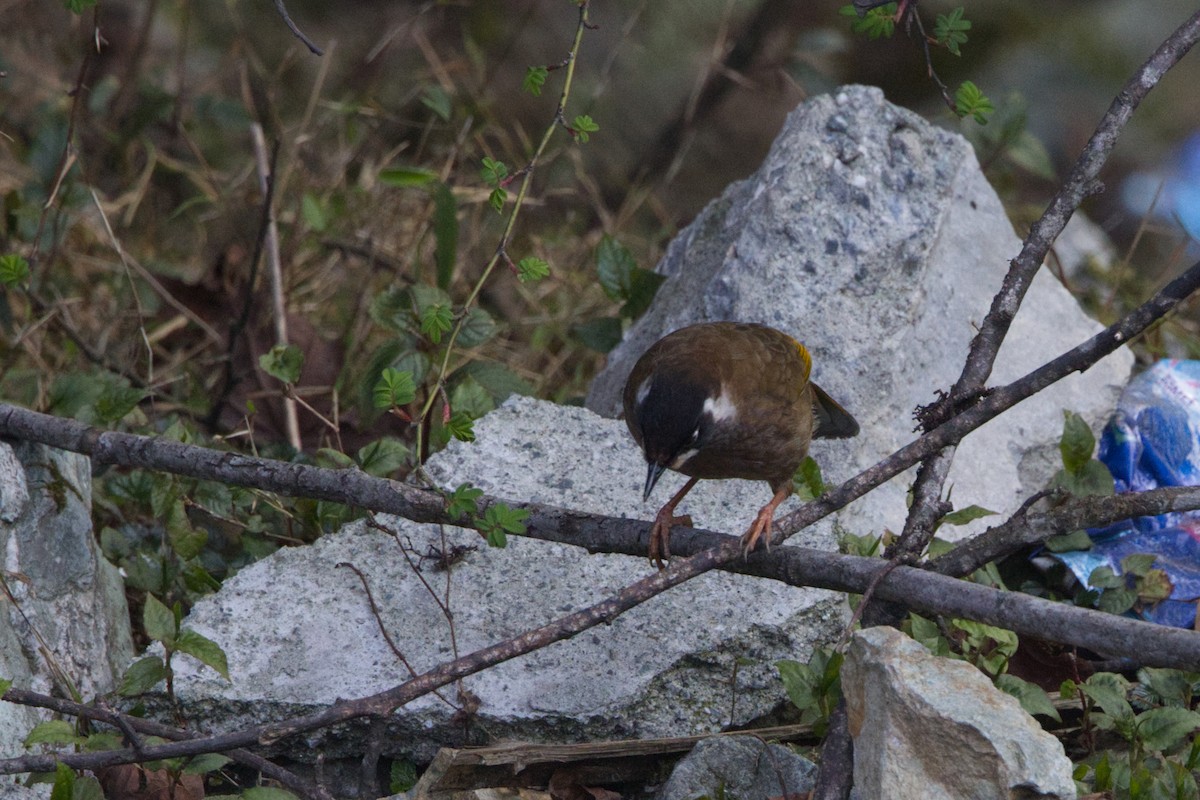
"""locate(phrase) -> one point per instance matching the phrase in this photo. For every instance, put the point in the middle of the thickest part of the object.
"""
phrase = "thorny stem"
(501, 253)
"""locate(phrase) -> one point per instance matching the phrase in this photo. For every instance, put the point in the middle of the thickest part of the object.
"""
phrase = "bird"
(726, 400)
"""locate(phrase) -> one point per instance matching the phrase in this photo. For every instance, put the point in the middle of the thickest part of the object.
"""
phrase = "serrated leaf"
(445, 234)
(283, 362)
(1164, 728)
(1108, 691)
(477, 328)
(158, 621)
(499, 381)
(1032, 697)
(204, 650)
(14, 270)
(532, 268)
(142, 676)
(56, 731)
(471, 398)
(383, 456)
(394, 389)
(64, 782)
(1137, 563)
(535, 79)
(601, 334)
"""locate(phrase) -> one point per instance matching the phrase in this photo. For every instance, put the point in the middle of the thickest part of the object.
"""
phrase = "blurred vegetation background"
(146, 307)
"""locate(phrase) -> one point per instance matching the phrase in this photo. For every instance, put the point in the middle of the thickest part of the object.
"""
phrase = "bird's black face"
(671, 417)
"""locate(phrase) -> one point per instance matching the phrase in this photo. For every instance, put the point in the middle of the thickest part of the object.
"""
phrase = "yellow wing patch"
(805, 357)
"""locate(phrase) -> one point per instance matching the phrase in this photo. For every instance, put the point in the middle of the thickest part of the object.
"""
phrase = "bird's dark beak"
(653, 473)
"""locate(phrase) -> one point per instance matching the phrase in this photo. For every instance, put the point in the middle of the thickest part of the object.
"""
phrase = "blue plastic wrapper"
(1153, 440)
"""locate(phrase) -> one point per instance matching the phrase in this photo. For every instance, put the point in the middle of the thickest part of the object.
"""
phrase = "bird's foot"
(660, 535)
(760, 529)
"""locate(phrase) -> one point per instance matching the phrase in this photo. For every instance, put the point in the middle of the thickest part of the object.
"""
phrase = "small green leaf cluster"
(494, 174)
(950, 30)
(164, 625)
(814, 687)
(98, 397)
(1081, 474)
(878, 22)
(14, 270)
(1157, 723)
(623, 281)
(495, 523)
(970, 101)
(1138, 586)
(807, 483)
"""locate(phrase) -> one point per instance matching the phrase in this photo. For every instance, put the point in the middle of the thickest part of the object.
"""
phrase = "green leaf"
(394, 389)
(499, 520)
(116, 400)
(56, 731)
(532, 268)
(477, 328)
(496, 199)
(1137, 563)
(5, 685)
(64, 782)
(461, 426)
(1075, 540)
(1093, 480)
(950, 30)
(406, 177)
(614, 265)
(471, 398)
(799, 683)
(186, 540)
(1164, 728)
(403, 776)
(142, 676)
(499, 381)
(1108, 691)
(333, 459)
(970, 101)
(158, 621)
(493, 172)
(601, 334)
(445, 234)
(1032, 697)
(1117, 601)
(808, 482)
(1077, 443)
(314, 215)
(643, 284)
(204, 650)
(383, 456)
(436, 100)
(1105, 578)
(283, 362)
(1171, 686)
(267, 793)
(14, 270)
(966, 515)
(535, 79)
(583, 126)
(78, 7)
(205, 763)
(462, 501)
(874, 23)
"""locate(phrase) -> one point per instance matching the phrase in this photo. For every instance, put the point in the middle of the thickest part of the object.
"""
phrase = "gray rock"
(873, 237)
(739, 768)
(16, 791)
(68, 616)
(299, 633)
(929, 728)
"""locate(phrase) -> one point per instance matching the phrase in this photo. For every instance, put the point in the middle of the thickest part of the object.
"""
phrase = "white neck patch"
(720, 408)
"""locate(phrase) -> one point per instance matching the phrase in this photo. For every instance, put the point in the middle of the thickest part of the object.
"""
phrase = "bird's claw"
(660, 536)
(760, 529)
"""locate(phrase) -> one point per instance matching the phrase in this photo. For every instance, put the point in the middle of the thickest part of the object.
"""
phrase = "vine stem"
(510, 225)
